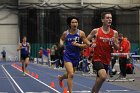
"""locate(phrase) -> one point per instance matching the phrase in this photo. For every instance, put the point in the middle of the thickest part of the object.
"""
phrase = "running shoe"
(61, 83)
(23, 73)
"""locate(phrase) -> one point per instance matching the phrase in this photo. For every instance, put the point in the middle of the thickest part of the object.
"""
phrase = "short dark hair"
(103, 14)
(24, 37)
(70, 18)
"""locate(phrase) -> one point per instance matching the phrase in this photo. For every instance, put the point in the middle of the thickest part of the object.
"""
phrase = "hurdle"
(133, 60)
(129, 55)
(135, 56)
(122, 54)
(120, 80)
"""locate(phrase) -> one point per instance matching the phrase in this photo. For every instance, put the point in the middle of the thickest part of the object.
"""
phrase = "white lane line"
(83, 91)
(13, 79)
(38, 92)
(117, 90)
(13, 86)
(39, 81)
(77, 83)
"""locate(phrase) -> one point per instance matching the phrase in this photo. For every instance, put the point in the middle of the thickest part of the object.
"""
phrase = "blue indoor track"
(12, 81)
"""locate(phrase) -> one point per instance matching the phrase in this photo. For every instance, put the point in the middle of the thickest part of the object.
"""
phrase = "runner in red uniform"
(124, 47)
(106, 38)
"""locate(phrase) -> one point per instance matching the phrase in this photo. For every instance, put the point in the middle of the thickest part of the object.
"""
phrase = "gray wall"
(98, 3)
(9, 32)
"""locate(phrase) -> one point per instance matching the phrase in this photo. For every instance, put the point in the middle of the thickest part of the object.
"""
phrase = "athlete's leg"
(99, 80)
(122, 64)
(23, 65)
(22, 60)
(113, 62)
(101, 75)
(26, 62)
(70, 72)
(64, 76)
(61, 77)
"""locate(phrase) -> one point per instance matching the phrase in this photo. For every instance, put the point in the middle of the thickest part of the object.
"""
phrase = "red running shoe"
(61, 83)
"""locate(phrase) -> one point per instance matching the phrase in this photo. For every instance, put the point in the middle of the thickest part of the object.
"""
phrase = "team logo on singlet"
(25, 48)
(109, 40)
(76, 39)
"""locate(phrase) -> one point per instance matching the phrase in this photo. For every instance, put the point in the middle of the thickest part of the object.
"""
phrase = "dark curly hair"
(69, 20)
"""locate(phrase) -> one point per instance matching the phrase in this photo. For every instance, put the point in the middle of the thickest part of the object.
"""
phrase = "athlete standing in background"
(124, 47)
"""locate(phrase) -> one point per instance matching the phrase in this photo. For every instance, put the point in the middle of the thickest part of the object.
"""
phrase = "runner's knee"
(70, 75)
(103, 77)
(102, 74)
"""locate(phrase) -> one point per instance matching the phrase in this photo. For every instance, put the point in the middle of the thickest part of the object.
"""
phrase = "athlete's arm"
(116, 42)
(19, 47)
(84, 39)
(62, 39)
(92, 34)
(29, 47)
(129, 45)
(79, 45)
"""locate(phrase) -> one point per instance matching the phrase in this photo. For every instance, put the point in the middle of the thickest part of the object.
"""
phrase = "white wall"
(9, 32)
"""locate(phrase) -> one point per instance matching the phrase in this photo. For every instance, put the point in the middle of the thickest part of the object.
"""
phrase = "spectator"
(3, 55)
(40, 52)
(53, 50)
(124, 47)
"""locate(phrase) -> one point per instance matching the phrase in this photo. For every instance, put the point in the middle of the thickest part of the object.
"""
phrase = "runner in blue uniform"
(24, 49)
(73, 39)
